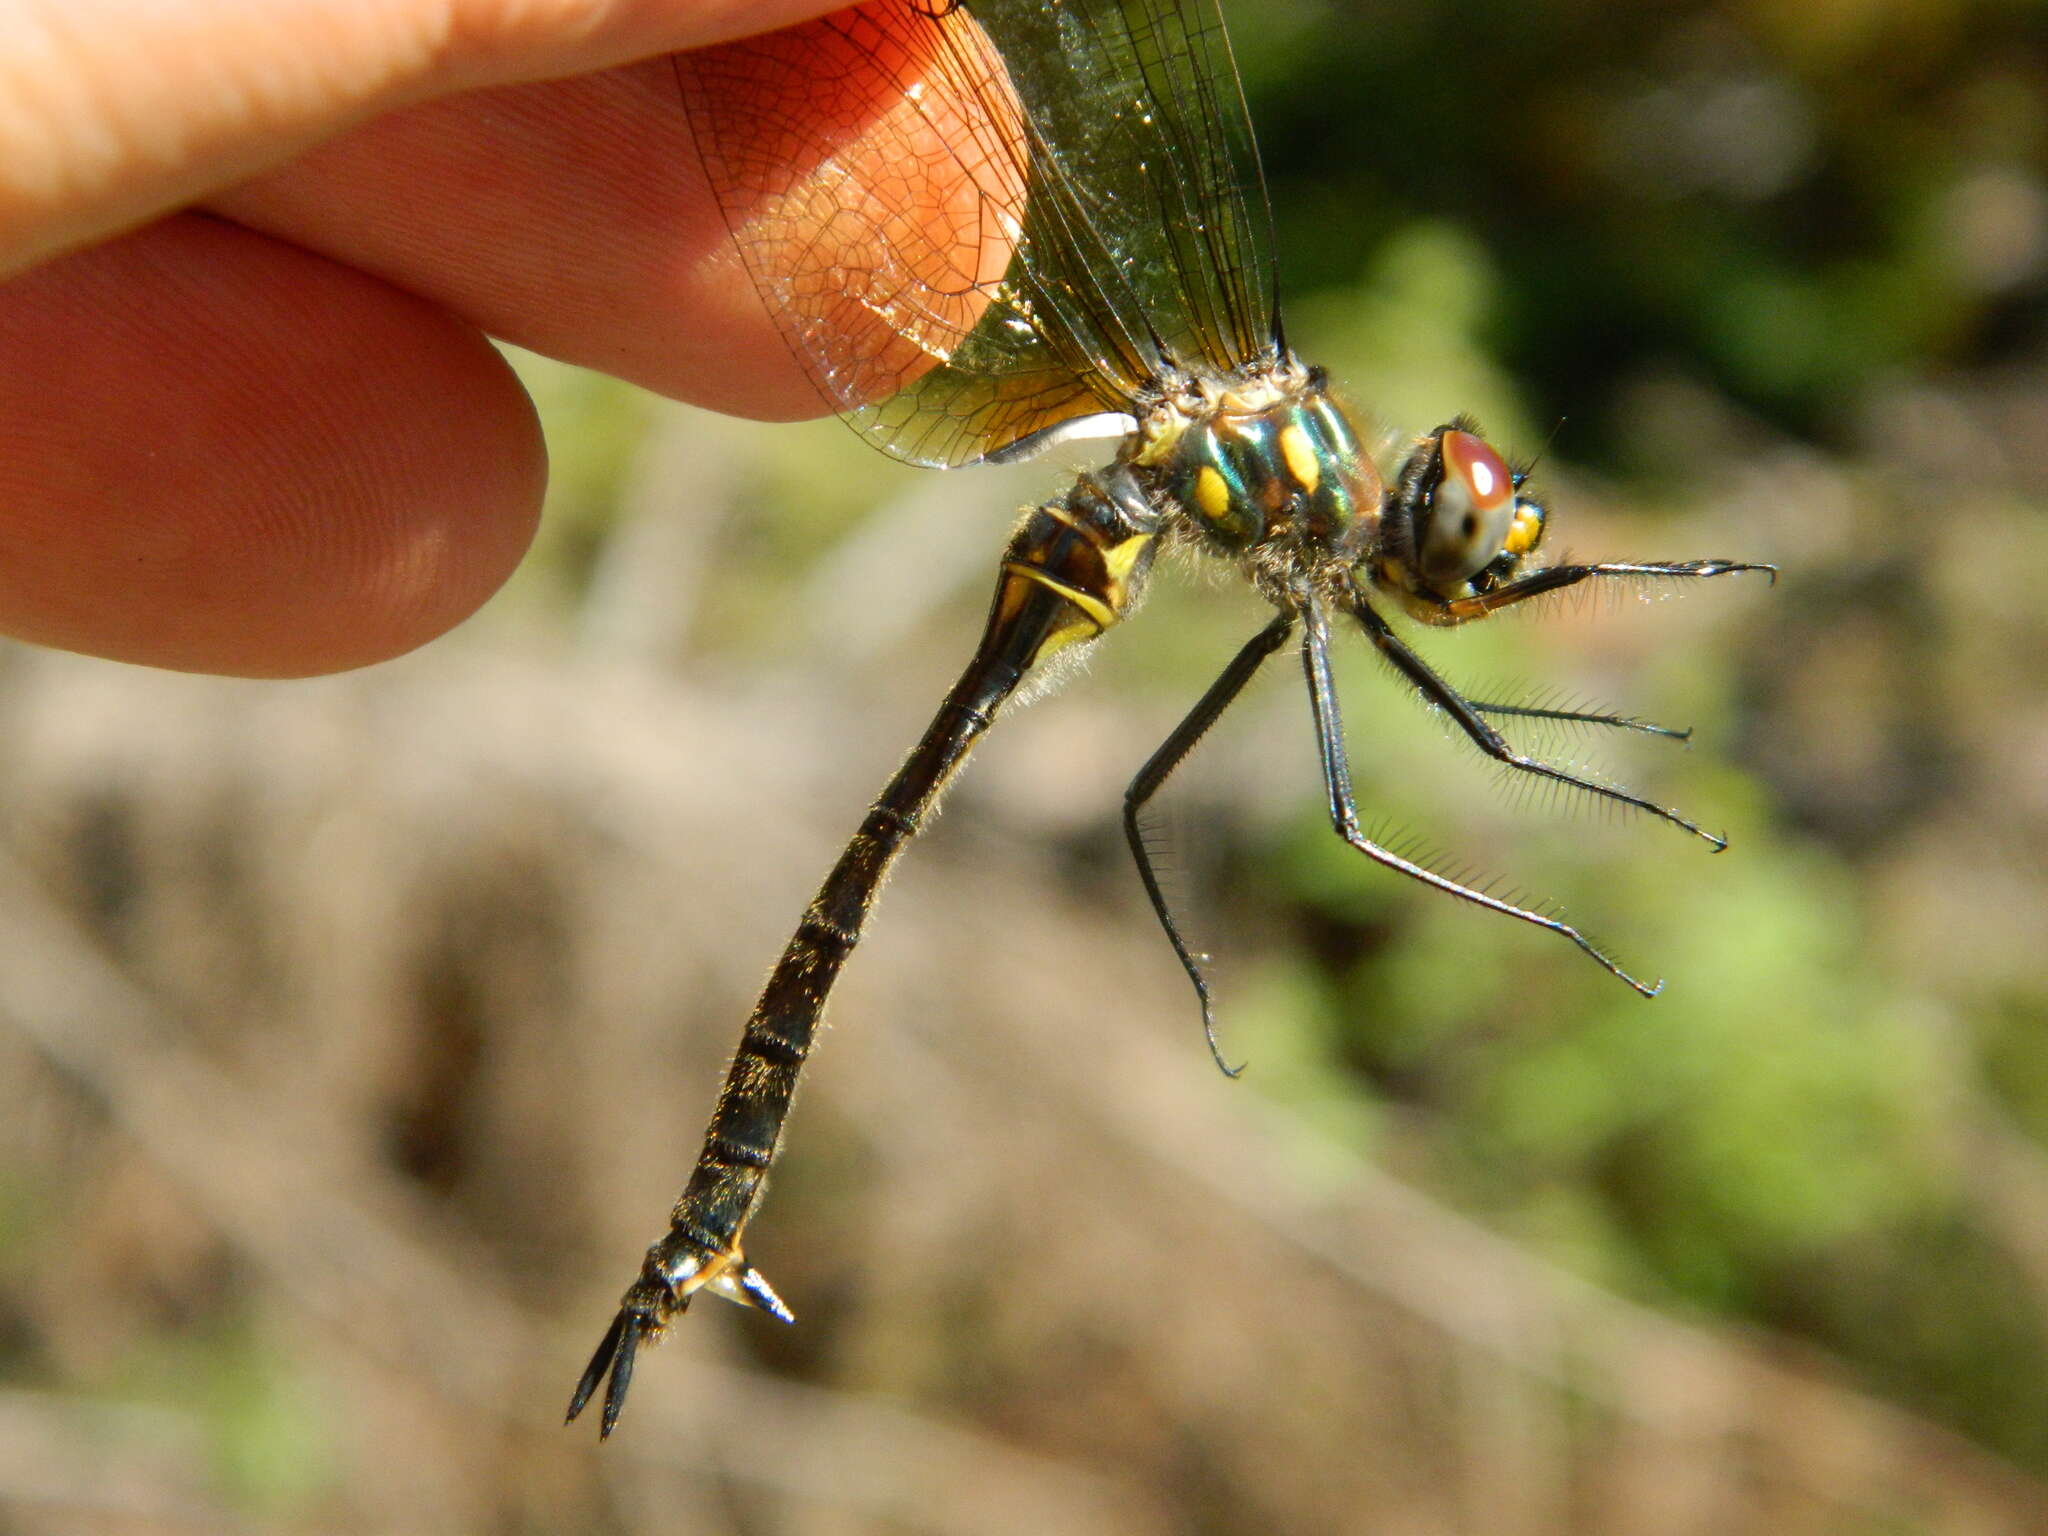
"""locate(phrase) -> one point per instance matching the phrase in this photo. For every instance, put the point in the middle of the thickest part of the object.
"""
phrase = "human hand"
(249, 422)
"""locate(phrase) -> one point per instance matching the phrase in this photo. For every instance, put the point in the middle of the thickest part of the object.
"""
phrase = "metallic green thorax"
(1291, 470)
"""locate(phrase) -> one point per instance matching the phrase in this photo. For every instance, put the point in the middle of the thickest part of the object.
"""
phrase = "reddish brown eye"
(1471, 512)
(1487, 480)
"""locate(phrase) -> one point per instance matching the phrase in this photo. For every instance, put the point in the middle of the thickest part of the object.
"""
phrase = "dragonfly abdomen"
(1076, 566)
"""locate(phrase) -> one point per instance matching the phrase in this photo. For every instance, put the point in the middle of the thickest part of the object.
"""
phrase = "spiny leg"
(1598, 717)
(1490, 741)
(1152, 777)
(1555, 579)
(1322, 694)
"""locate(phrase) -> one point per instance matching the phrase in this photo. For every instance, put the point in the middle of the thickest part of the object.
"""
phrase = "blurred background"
(355, 1035)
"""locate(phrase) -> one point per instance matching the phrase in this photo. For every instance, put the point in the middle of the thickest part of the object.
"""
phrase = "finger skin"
(115, 111)
(221, 453)
(571, 217)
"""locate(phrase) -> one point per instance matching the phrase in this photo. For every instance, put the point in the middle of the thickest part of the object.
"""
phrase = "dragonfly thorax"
(1266, 467)
(1269, 465)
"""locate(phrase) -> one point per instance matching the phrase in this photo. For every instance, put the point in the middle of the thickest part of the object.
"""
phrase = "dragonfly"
(1105, 273)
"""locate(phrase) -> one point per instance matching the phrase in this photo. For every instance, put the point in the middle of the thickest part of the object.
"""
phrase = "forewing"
(970, 224)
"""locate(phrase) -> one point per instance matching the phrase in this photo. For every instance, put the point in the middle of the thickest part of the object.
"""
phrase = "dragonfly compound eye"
(1466, 523)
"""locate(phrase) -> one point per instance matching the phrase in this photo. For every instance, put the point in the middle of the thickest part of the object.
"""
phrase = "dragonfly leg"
(1329, 724)
(1600, 717)
(1556, 578)
(1468, 718)
(1153, 776)
(1073, 570)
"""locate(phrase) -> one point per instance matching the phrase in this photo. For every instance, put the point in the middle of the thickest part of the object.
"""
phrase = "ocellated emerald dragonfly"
(1107, 272)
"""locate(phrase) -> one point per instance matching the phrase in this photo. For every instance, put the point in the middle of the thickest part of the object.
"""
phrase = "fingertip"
(408, 490)
(220, 453)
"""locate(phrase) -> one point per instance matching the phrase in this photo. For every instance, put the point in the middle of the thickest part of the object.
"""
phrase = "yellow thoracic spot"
(1300, 454)
(1212, 493)
(1523, 531)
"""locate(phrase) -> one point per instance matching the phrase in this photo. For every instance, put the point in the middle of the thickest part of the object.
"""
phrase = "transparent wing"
(1106, 222)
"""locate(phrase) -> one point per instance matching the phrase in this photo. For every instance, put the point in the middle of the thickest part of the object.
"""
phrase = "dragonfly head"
(1281, 464)
(1456, 522)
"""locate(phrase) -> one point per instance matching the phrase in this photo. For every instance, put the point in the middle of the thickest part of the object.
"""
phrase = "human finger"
(115, 111)
(221, 453)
